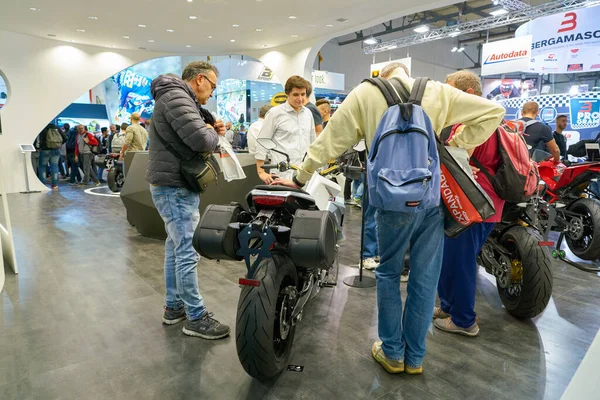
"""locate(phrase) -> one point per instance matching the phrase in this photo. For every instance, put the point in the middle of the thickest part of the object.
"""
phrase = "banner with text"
(506, 56)
(566, 42)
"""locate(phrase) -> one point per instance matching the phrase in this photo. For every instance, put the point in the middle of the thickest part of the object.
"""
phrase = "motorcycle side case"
(214, 238)
(312, 239)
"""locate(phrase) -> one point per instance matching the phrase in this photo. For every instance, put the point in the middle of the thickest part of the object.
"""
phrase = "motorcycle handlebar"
(270, 166)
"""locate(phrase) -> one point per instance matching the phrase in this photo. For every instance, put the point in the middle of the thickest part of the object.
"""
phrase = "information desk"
(141, 212)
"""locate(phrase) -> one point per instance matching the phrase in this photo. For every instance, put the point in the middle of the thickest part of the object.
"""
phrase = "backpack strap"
(404, 94)
(418, 90)
(445, 134)
(391, 97)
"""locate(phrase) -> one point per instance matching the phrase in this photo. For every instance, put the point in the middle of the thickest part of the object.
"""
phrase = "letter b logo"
(569, 23)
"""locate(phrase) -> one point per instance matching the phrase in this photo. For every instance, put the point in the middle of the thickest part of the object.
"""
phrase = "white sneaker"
(370, 264)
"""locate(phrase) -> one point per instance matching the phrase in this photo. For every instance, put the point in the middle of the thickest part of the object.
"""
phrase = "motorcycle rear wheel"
(531, 278)
(587, 247)
(264, 330)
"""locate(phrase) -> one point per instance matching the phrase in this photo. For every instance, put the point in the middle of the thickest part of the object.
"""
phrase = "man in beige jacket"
(136, 136)
(403, 335)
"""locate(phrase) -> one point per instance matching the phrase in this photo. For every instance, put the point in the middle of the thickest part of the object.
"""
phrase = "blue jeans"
(458, 280)
(404, 333)
(178, 207)
(370, 245)
(51, 156)
(357, 189)
(74, 174)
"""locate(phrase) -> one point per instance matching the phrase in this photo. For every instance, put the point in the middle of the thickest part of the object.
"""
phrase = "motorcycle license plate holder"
(267, 241)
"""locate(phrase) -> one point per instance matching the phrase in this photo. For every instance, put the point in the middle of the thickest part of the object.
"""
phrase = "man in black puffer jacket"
(178, 121)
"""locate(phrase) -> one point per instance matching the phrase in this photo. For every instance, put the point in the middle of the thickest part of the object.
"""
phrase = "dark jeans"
(74, 166)
(51, 156)
(62, 168)
(458, 280)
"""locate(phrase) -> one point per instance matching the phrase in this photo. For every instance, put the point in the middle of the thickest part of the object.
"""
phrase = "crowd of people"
(65, 153)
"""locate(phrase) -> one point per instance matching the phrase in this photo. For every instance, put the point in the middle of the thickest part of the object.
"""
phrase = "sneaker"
(391, 366)
(54, 187)
(404, 276)
(73, 184)
(447, 325)
(413, 370)
(206, 327)
(438, 313)
(173, 316)
(97, 183)
(357, 202)
(370, 264)
(349, 202)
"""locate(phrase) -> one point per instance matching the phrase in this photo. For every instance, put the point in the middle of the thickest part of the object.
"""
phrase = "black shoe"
(173, 316)
(206, 327)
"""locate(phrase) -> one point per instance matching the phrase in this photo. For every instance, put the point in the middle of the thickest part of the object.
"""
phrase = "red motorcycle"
(567, 204)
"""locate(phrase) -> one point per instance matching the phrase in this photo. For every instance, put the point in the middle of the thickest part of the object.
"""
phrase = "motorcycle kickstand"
(562, 256)
(332, 281)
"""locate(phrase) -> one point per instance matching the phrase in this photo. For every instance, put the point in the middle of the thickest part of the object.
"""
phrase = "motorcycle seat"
(279, 188)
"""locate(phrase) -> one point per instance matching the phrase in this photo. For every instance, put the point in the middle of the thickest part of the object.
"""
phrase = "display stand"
(25, 150)
(361, 281)
(7, 247)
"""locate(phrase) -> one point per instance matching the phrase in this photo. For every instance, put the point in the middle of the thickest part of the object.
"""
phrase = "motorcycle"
(115, 176)
(288, 239)
(569, 205)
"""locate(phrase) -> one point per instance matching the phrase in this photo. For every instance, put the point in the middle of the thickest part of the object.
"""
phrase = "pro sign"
(506, 56)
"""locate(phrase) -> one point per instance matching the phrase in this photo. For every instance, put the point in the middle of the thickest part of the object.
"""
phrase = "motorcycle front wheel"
(530, 281)
(264, 328)
(115, 180)
(584, 237)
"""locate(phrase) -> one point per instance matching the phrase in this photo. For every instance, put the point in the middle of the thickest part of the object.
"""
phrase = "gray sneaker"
(206, 327)
(173, 316)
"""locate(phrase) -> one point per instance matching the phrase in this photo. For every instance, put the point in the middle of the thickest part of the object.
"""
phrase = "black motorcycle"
(288, 239)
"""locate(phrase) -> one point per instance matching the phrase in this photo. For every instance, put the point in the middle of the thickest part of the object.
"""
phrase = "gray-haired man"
(179, 123)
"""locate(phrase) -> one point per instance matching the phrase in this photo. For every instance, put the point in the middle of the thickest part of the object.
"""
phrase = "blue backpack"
(403, 169)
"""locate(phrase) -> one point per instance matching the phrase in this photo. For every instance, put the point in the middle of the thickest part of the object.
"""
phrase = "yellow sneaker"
(391, 366)
(413, 371)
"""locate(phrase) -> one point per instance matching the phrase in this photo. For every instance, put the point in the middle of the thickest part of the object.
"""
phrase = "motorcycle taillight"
(269, 200)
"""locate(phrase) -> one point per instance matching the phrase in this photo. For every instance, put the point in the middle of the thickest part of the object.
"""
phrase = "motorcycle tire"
(261, 349)
(590, 211)
(535, 262)
(114, 179)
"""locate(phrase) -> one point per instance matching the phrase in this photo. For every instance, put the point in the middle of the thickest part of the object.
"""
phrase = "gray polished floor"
(82, 320)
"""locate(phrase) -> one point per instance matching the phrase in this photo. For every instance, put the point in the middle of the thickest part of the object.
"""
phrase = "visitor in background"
(51, 140)
(559, 137)
(229, 134)
(74, 174)
(136, 136)
(83, 151)
(537, 135)
(318, 120)
(255, 128)
(325, 109)
(102, 151)
(35, 156)
(118, 140)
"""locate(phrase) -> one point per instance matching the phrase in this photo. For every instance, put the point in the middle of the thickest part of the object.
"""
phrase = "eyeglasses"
(212, 84)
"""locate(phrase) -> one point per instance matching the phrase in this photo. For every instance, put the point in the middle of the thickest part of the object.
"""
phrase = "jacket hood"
(165, 83)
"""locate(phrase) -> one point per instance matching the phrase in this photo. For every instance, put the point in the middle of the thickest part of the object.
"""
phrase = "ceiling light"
(421, 29)
(342, 20)
(34, 9)
(265, 45)
(142, 25)
(93, 17)
(329, 25)
(151, 41)
(126, 37)
(170, 30)
(235, 25)
(188, 46)
(232, 40)
(258, 30)
(193, 17)
(112, 46)
(294, 36)
(72, 41)
(189, 1)
(371, 41)
(454, 49)
(293, 17)
(80, 30)
(500, 11)
(209, 37)
(461, 49)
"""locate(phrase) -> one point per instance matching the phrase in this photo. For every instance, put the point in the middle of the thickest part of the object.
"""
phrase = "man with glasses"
(180, 125)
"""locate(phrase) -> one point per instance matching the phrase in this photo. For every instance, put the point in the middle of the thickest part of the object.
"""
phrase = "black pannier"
(313, 239)
(214, 238)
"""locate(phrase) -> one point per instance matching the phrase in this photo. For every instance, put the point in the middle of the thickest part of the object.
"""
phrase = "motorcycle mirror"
(267, 143)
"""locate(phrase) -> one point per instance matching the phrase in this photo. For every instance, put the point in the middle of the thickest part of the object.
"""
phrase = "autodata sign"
(565, 42)
(506, 56)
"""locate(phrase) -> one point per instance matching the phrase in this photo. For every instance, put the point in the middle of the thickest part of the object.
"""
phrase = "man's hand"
(220, 127)
(266, 177)
(285, 182)
(474, 170)
(76, 159)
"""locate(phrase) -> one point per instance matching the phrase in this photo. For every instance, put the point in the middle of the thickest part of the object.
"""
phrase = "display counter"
(137, 199)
